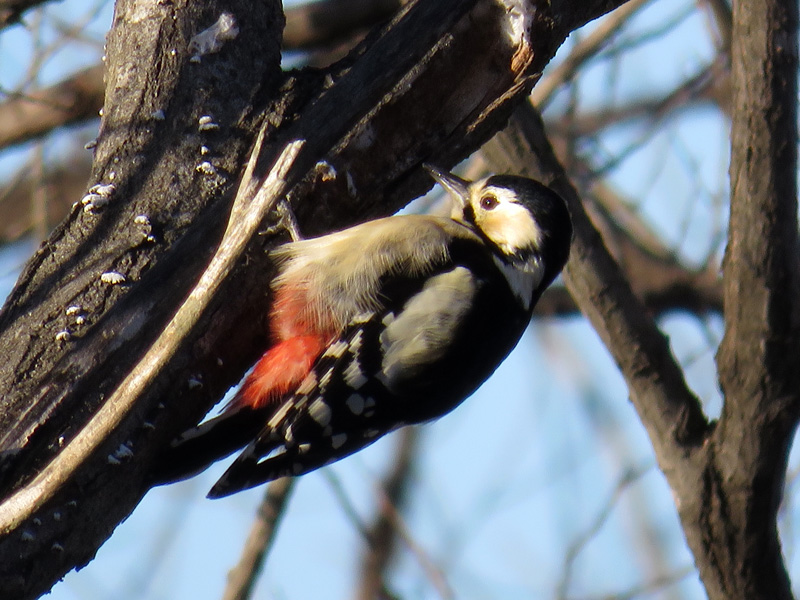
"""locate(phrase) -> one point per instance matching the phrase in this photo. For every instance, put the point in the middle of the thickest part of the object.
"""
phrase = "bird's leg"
(287, 222)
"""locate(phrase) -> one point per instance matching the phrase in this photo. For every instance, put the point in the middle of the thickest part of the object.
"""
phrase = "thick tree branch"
(174, 133)
(79, 97)
(757, 359)
(11, 11)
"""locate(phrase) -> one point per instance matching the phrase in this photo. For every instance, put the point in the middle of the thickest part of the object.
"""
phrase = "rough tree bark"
(727, 477)
(174, 137)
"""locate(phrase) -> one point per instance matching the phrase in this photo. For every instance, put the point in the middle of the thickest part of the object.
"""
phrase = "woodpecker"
(392, 322)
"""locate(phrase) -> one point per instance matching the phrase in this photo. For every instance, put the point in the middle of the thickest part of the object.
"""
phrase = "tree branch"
(242, 578)
(172, 140)
(757, 358)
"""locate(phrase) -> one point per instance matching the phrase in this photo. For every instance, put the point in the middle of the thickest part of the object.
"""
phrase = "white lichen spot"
(56, 547)
(195, 383)
(123, 452)
(80, 320)
(91, 202)
(303, 448)
(37, 521)
(27, 536)
(73, 310)
(103, 189)
(61, 440)
(158, 115)
(112, 278)
(148, 425)
(100, 113)
(204, 150)
(90, 144)
(90, 198)
(56, 516)
(113, 174)
(72, 503)
(212, 39)
(206, 168)
(206, 123)
(141, 220)
(371, 433)
(63, 336)
(326, 170)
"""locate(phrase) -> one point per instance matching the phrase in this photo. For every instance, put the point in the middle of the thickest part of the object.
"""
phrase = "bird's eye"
(488, 202)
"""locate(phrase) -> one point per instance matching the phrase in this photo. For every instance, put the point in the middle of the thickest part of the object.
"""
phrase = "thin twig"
(242, 578)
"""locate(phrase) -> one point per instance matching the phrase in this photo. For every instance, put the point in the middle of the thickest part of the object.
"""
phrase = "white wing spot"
(355, 343)
(325, 379)
(353, 375)
(288, 435)
(279, 416)
(308, 384)
(338, 440)
(336, 350)
(362, 318)
(356, 404)
(320, 412)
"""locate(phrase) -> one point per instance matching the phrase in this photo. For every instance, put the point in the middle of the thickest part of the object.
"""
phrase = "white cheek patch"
(509, 225)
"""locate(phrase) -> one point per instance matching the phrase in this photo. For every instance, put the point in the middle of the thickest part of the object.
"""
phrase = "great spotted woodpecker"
(388, 323)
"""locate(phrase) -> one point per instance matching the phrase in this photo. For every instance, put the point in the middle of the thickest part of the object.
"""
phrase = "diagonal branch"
(173, 137)
(242, 578)
(668, 409)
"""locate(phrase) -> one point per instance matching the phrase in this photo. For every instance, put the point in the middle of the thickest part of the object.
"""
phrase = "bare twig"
(588, 47)
(242, 578)
(382, 534)
(630, 476)
(27, 116)
(23, 503)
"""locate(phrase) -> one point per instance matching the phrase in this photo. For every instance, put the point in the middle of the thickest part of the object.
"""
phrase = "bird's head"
(525, 221)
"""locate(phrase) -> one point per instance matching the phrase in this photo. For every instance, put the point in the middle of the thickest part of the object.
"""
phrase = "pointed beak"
(455, 186)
